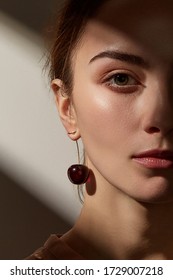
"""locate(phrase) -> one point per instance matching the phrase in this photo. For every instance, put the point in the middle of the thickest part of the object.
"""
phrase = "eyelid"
(126, 89)
(121, 71)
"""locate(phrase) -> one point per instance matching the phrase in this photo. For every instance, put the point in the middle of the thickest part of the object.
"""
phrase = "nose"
(157, 111)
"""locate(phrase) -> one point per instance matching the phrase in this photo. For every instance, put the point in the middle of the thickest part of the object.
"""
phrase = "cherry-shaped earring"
(78, 174)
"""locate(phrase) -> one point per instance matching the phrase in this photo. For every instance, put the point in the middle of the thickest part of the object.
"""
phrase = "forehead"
(142, 25)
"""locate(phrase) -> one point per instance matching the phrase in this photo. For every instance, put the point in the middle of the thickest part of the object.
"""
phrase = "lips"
(155, 159)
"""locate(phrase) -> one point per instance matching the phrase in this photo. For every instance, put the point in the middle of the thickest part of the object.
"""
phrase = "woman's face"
(123, 97)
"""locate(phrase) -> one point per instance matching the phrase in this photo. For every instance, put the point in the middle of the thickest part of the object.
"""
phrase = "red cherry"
(78, 174)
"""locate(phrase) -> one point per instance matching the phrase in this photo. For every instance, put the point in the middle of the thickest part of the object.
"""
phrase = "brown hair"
(68, 31)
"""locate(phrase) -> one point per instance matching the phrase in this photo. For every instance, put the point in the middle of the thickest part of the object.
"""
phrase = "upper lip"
(162, 154)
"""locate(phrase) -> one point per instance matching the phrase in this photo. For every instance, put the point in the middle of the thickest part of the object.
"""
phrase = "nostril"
(153, 130)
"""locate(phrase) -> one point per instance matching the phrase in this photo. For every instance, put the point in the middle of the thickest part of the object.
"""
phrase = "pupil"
(121, 79)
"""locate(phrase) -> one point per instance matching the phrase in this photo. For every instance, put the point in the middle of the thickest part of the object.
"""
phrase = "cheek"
(105, 119)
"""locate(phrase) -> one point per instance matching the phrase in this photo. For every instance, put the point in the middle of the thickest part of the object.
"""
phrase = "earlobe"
(66, 109)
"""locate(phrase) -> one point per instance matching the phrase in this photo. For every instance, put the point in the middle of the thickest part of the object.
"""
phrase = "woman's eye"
(122, 82)
(121, 79)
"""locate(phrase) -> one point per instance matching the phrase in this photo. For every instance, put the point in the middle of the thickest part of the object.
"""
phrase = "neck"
(115, 226)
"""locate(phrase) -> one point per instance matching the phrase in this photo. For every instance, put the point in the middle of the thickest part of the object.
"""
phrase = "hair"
(68, 31)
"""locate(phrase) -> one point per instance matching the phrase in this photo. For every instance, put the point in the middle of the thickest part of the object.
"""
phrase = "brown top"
(55, 249)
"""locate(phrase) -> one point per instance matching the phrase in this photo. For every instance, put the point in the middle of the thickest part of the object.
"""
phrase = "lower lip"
(157, 163)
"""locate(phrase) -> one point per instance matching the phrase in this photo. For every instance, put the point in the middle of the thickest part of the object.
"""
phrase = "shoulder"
(55, 249)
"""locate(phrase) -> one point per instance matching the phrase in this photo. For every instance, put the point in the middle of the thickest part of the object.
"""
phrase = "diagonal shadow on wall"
(25, 221)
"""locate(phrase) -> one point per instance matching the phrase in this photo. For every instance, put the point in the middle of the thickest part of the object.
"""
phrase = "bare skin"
(120, 107)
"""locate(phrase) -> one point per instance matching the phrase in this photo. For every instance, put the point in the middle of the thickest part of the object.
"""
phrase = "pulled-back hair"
(67, 33)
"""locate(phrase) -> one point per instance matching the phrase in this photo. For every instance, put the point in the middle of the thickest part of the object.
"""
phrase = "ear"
(66, 110)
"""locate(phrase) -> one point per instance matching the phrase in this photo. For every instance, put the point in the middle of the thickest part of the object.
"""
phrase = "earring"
(78, 174)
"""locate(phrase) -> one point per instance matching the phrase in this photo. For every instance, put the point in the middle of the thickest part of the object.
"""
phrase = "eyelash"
(131, 86)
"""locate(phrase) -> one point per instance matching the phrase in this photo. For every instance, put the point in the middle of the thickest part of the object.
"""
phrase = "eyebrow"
(126, 57)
